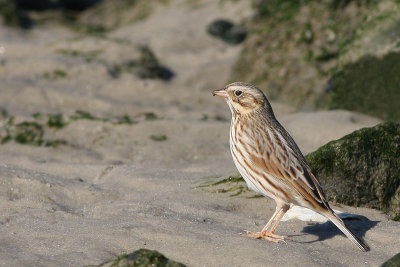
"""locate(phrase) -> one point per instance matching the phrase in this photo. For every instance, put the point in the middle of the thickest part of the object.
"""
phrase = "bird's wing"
(283, 160)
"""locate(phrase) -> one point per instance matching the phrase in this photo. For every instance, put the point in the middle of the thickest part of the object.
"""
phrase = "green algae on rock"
(26, 133)
(294, 46)
(376, 36)
(392, 262)
(145, 66)
(55, 74)
(142, 258)
(8, 12)
(109, 15)
(158, 137)
(88, 56)
(370, 85)
(366, 76)
(96, 19)
(235, 185)
(362, 169)
(36, 131)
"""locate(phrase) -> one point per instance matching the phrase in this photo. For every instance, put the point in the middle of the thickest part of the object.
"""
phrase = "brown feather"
(269, 159)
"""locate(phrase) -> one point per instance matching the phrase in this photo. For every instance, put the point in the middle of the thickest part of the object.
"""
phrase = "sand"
(112, 189)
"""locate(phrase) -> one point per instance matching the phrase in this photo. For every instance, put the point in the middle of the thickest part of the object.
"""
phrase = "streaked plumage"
(270, 161)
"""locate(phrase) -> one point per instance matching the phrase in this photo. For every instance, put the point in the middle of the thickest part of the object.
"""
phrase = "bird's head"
(243, 98)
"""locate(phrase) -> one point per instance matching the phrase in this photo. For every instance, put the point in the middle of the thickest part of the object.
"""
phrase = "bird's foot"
(265, 235)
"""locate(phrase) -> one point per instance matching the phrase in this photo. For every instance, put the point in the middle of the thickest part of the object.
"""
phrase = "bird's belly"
(251, 182)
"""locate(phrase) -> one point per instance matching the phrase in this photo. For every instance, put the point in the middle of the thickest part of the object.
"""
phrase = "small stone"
(142, 258)
(227, 31)
(235, 35)
(219, 27)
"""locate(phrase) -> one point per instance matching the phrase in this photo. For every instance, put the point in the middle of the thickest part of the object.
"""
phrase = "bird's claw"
(265, 235)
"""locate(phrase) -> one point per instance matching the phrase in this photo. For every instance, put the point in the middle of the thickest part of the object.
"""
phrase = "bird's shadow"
(328, 230)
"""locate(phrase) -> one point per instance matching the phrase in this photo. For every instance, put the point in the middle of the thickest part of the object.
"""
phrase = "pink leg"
(269, 234)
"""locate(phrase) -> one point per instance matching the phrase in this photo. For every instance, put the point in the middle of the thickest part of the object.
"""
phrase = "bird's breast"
(243, 152)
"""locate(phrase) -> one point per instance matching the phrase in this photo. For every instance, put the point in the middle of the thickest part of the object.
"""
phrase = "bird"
(270, 161)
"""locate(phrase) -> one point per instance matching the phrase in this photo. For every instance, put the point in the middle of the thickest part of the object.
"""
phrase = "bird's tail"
(340, 224)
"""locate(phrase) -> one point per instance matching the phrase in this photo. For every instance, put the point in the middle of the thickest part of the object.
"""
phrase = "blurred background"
(330, 54)
(125, 61)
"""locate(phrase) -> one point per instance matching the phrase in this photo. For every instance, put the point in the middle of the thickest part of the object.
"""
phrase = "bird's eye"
(238, 93)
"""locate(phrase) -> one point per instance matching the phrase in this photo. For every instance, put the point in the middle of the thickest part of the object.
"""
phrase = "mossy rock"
(370, 85)
(36, 131)
(8, 12)
(111, 14)
(294, 46)
(366, 76)
(89, 17)
(146, 66)
(392, 262)
(362, 169)
(26, 133)
(142, 258)
(377, 35)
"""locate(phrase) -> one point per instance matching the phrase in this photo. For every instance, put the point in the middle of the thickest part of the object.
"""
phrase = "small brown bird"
(270, 161)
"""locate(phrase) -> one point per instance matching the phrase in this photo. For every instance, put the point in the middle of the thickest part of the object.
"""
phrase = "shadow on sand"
(328, 230)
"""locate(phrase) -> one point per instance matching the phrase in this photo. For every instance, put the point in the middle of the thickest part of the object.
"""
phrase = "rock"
(235, 35)
(299, 36)
(9, 13)
(79, 5)
(145, 66)
(17, 13)
(227, 31)
(370, 86)
(109, 15)
(218, 28)
(376, 36)
(392, 262)
(362, 169)
(142, 258)
(366, 78)
(93, 17)
(40, 5)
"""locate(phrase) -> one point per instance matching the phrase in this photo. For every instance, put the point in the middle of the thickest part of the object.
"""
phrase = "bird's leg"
(277, 211)
(267, 233)
(271, 232)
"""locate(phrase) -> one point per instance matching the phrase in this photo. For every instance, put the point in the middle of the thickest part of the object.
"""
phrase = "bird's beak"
(220, 92)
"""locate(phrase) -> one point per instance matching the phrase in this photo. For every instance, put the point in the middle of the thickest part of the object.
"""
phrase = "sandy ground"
(113, 189)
